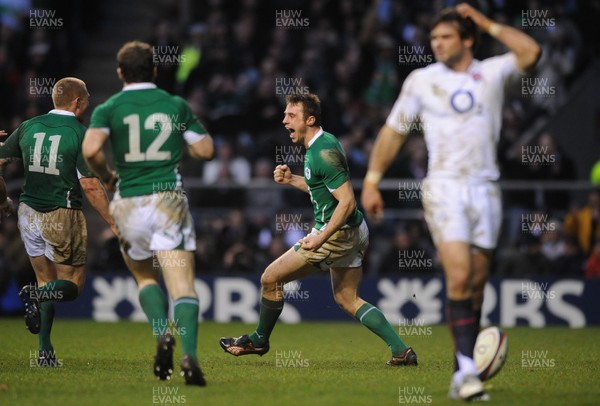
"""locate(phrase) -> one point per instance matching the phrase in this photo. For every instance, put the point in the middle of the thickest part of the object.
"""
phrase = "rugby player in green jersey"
(148, 129)
(337, 243)
(50, 216)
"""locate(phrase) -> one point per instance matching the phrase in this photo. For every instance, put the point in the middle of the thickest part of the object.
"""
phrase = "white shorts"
(463, 211)
(344, 249)
(157, 222)
(60, 235)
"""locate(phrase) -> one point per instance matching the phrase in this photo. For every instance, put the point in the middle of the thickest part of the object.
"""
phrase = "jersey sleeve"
(194, 130)
(333, 168)
(100, 118)
(407, 107)
(502, 67)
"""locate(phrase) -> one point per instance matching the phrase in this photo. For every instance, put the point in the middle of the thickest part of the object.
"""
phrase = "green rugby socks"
(269, 313)
(47, 317)
(186, 316)
(60, 290)
(155, 305)
(372, 318)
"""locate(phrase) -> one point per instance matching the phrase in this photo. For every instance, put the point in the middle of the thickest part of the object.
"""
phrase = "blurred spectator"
(553, 164)
(167, 53)
(584, 223)
(270, 197)
(527, 260)
(191, 55)
(592, 265)
(407, 255)
(595, 173)
(384, 86)
(226, 166)
(570, 263)
(553, 243)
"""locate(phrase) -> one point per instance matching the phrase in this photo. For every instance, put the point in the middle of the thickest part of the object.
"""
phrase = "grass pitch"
(309, 364)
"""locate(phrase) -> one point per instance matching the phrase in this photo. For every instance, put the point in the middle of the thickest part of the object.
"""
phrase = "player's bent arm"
(299, 183)
(283, 175)
(386, 147)
(96, 195)
(525, 48)
(94, 154)
(203, 149)
(346, 206)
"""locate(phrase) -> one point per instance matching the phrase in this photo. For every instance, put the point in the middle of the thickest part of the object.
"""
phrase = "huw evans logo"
(42, 87)
(532, 19)
(413, 55)
(167, 55)
(291, 19)
(45, 19)
(285, 86)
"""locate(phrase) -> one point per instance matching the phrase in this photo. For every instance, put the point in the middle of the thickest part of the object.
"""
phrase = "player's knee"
(268, 281)
(344, 301)
(458, 280)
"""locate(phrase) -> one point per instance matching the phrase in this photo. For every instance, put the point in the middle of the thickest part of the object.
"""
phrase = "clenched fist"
(282, 174)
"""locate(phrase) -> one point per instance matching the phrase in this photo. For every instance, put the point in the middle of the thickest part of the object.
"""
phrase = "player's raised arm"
(386, 147)
(283, 175)
(94, 156)
(526, 49)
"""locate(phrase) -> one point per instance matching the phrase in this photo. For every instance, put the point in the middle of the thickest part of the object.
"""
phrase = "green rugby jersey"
(146, 127)
(325, 170)
(50, 146)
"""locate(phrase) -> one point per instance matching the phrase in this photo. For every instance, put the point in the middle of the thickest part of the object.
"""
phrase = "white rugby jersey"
(461, 114)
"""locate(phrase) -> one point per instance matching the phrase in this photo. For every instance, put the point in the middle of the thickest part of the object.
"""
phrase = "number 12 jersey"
(148, 128)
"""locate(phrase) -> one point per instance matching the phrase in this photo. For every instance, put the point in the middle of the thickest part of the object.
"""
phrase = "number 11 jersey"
(50, 146)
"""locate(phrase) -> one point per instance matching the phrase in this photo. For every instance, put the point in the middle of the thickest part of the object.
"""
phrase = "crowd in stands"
(236, 60)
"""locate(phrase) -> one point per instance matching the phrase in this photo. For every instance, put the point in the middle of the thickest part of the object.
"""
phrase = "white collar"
(317, 135)
(139, 86)
(62, 112)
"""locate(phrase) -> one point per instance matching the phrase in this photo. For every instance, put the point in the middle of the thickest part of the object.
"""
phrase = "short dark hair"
(136, 60)
(466, 26)
(310, 103)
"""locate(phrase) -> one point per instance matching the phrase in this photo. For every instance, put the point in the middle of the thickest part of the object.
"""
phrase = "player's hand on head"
(467, 11)
(372, 202)
(282, 174)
